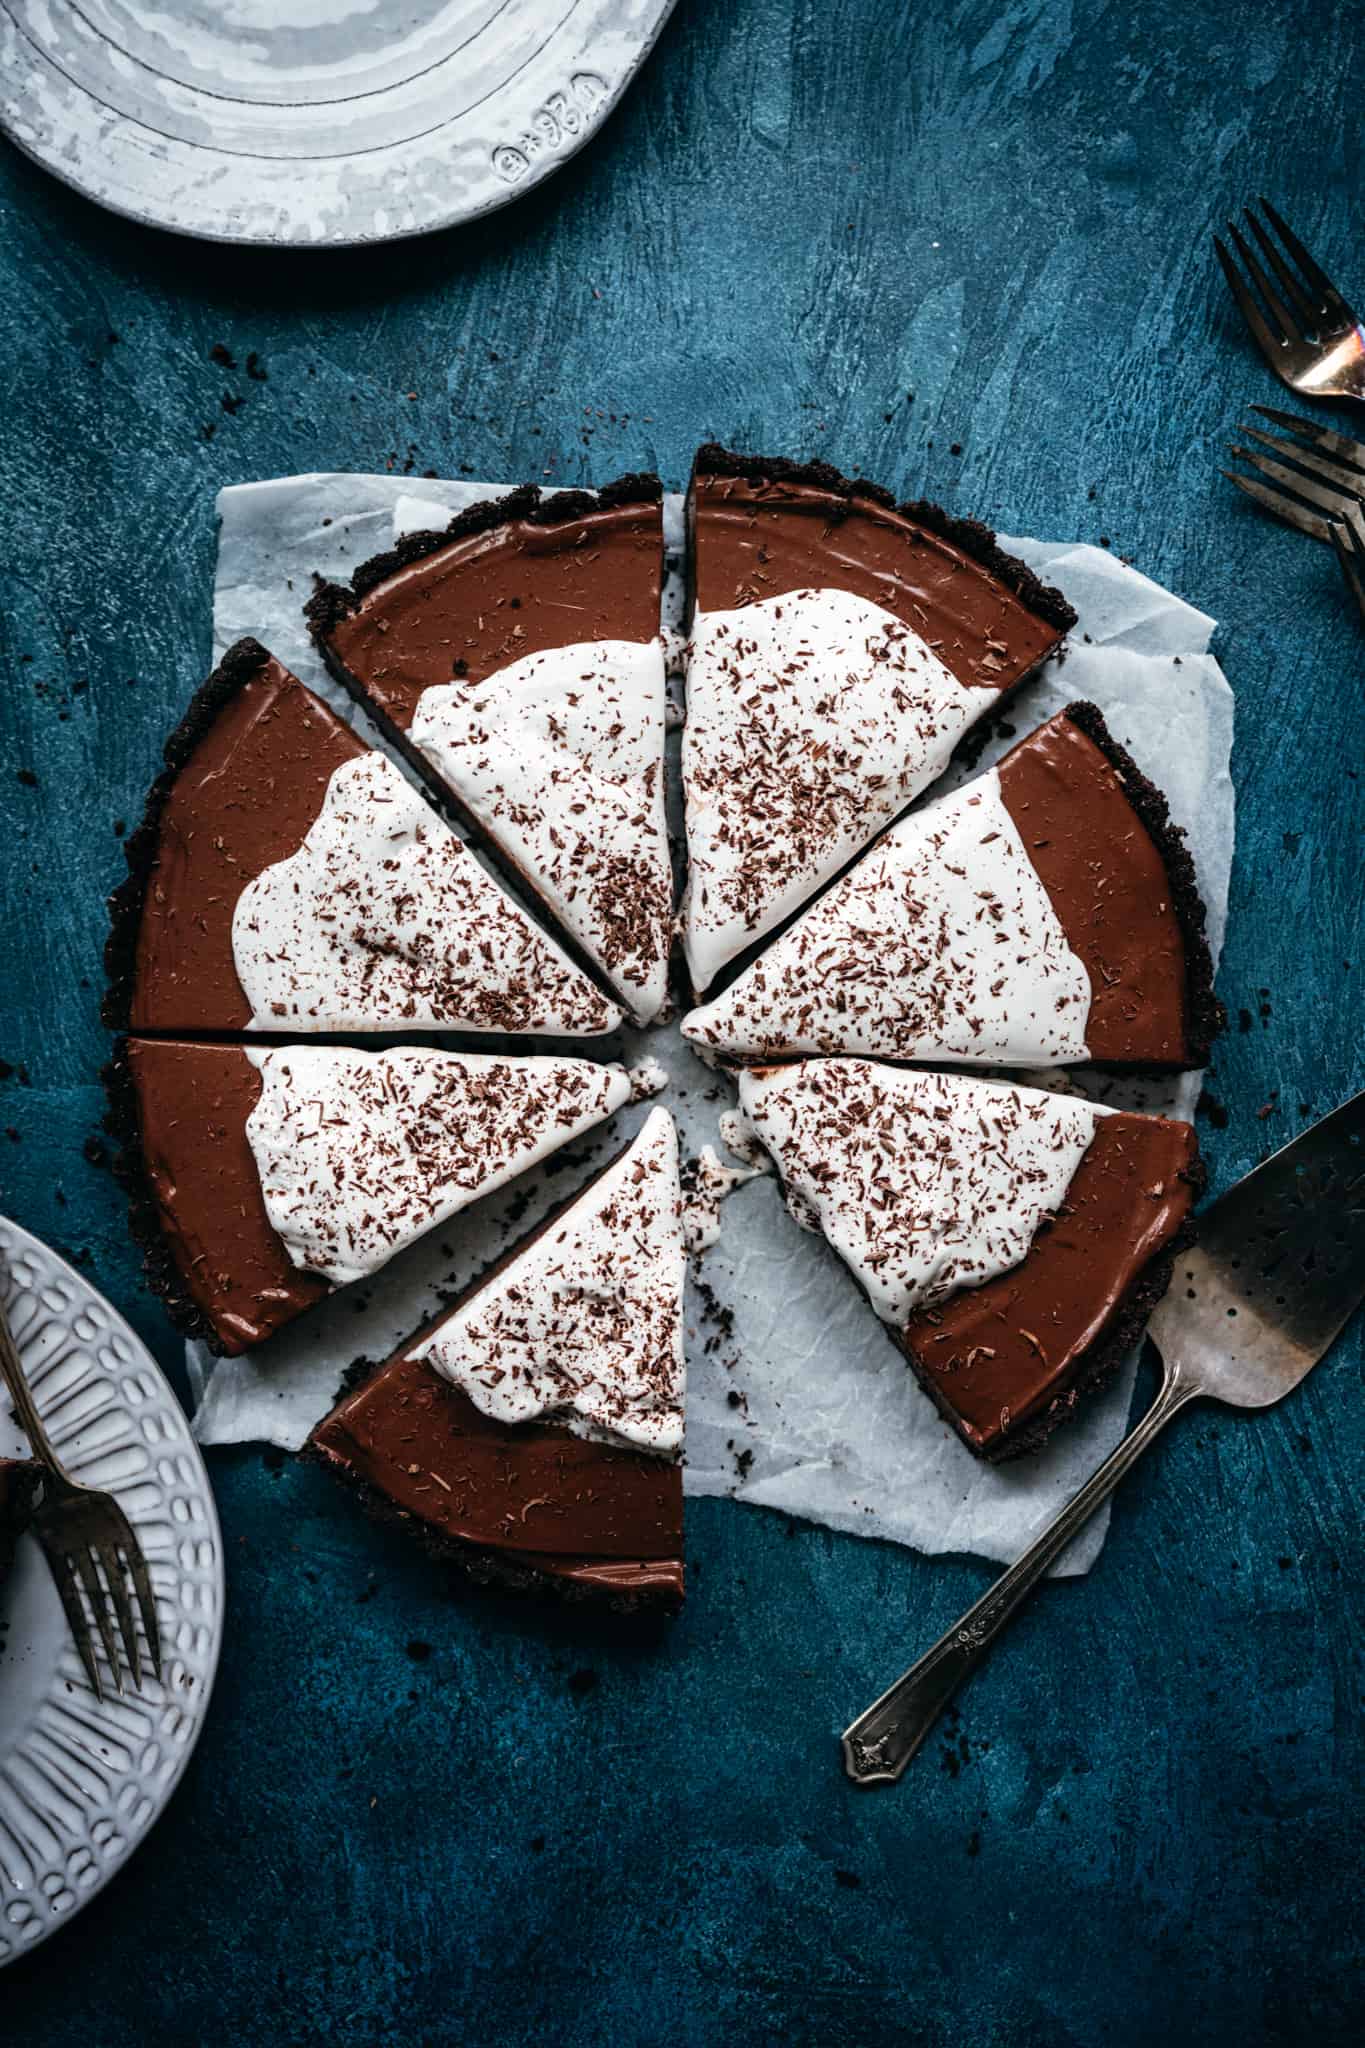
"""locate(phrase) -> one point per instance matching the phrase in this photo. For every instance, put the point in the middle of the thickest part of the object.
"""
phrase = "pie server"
(1278, 1270)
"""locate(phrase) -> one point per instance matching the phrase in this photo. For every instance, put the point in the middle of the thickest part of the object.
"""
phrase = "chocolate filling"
(213, 1254)
(247, 772)
(1110, 887)
(505, 580)
(1007, 1361)
(761, 528)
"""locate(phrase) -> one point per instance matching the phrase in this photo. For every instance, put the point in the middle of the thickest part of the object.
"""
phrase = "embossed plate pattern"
(80, 1782)
(293, 122)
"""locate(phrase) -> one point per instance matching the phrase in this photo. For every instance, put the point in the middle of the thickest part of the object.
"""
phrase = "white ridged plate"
(80, 1782)
(309, 123)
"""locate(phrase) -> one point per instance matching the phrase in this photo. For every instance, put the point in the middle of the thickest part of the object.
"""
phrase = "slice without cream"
(1045, 913)
(517, 657)
(584, 1325)
(288, 878)
(1013, 1240)
(262, 1179)
(841, 646)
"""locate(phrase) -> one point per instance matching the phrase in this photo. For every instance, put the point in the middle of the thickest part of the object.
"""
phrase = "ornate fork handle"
(880, 1743)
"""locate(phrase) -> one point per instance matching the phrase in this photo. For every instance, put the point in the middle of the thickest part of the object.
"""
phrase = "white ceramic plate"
(310, 122)
(80, 1782)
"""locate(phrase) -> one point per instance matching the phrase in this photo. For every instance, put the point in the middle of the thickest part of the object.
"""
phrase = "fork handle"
(25, 1407)
(880, 1743)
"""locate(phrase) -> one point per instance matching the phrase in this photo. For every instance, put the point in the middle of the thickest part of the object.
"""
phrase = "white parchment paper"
(796, 1398)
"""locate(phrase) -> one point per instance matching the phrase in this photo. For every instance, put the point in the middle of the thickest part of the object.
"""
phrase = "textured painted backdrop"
(965, 248)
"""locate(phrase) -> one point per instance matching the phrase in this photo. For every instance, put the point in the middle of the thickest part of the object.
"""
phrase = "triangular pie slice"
(531, 1433)
(288, 878)
(263, 1177)
(841, 646)
(517, 657)
(1014, 1242)
(1044, 914)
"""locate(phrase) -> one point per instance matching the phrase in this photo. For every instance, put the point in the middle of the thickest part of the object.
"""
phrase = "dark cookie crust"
(1204, 1013)
(332, 602)
(969, 535)
(244, 659)
(159, 1269)
(490, 1568)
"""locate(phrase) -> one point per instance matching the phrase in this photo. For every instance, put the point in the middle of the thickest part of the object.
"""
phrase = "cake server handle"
(880, 1743)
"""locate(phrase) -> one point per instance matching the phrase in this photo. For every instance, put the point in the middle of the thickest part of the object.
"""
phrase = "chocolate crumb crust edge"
(333, 602)
(1097, 1365)
(243, 660)
(971, 536)
(159, 1268)
(1205, 1015)
(492, 1569)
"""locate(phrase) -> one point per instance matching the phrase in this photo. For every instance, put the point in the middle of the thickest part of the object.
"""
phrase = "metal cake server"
(1277, 1272)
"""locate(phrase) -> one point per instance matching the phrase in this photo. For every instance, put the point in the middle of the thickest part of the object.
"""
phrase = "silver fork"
(1313, 478)
(1305, 329)
(89, 1545)
(1278, 1271)
(1318, 487)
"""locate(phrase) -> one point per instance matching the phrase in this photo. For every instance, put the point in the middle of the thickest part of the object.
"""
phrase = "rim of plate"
(82, 1783)
(458, 168)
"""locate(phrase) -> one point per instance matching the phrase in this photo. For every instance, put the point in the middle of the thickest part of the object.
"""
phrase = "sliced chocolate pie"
(1046, 913)
(531, 1433)
(262, 1178)
(286, 877)
(517, 658)
(841, 646)
(1013, 1241)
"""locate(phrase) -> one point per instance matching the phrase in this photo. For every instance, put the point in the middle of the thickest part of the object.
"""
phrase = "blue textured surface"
(1146, 1824)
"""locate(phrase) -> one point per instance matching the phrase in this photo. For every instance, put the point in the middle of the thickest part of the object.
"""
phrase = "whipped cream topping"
(361, 1152)
(923, 1183)
(941, 944)
(383, 917)
(585, 1326)
(560, 757)
(813, 719)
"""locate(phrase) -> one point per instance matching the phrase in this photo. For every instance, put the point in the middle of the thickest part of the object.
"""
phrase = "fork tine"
(1349, 555)
(112, 1564)
(1275, 305)
(69, 1594)
(1306, 307)
(1282, 506)
(1350, 483)
(146, 1600)
(1331, 500)
(1332, 443)
(87, 1571)
(1315, 277)
(1269, 345)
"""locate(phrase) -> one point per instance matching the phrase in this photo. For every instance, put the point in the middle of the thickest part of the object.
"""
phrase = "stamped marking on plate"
(552, 126)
